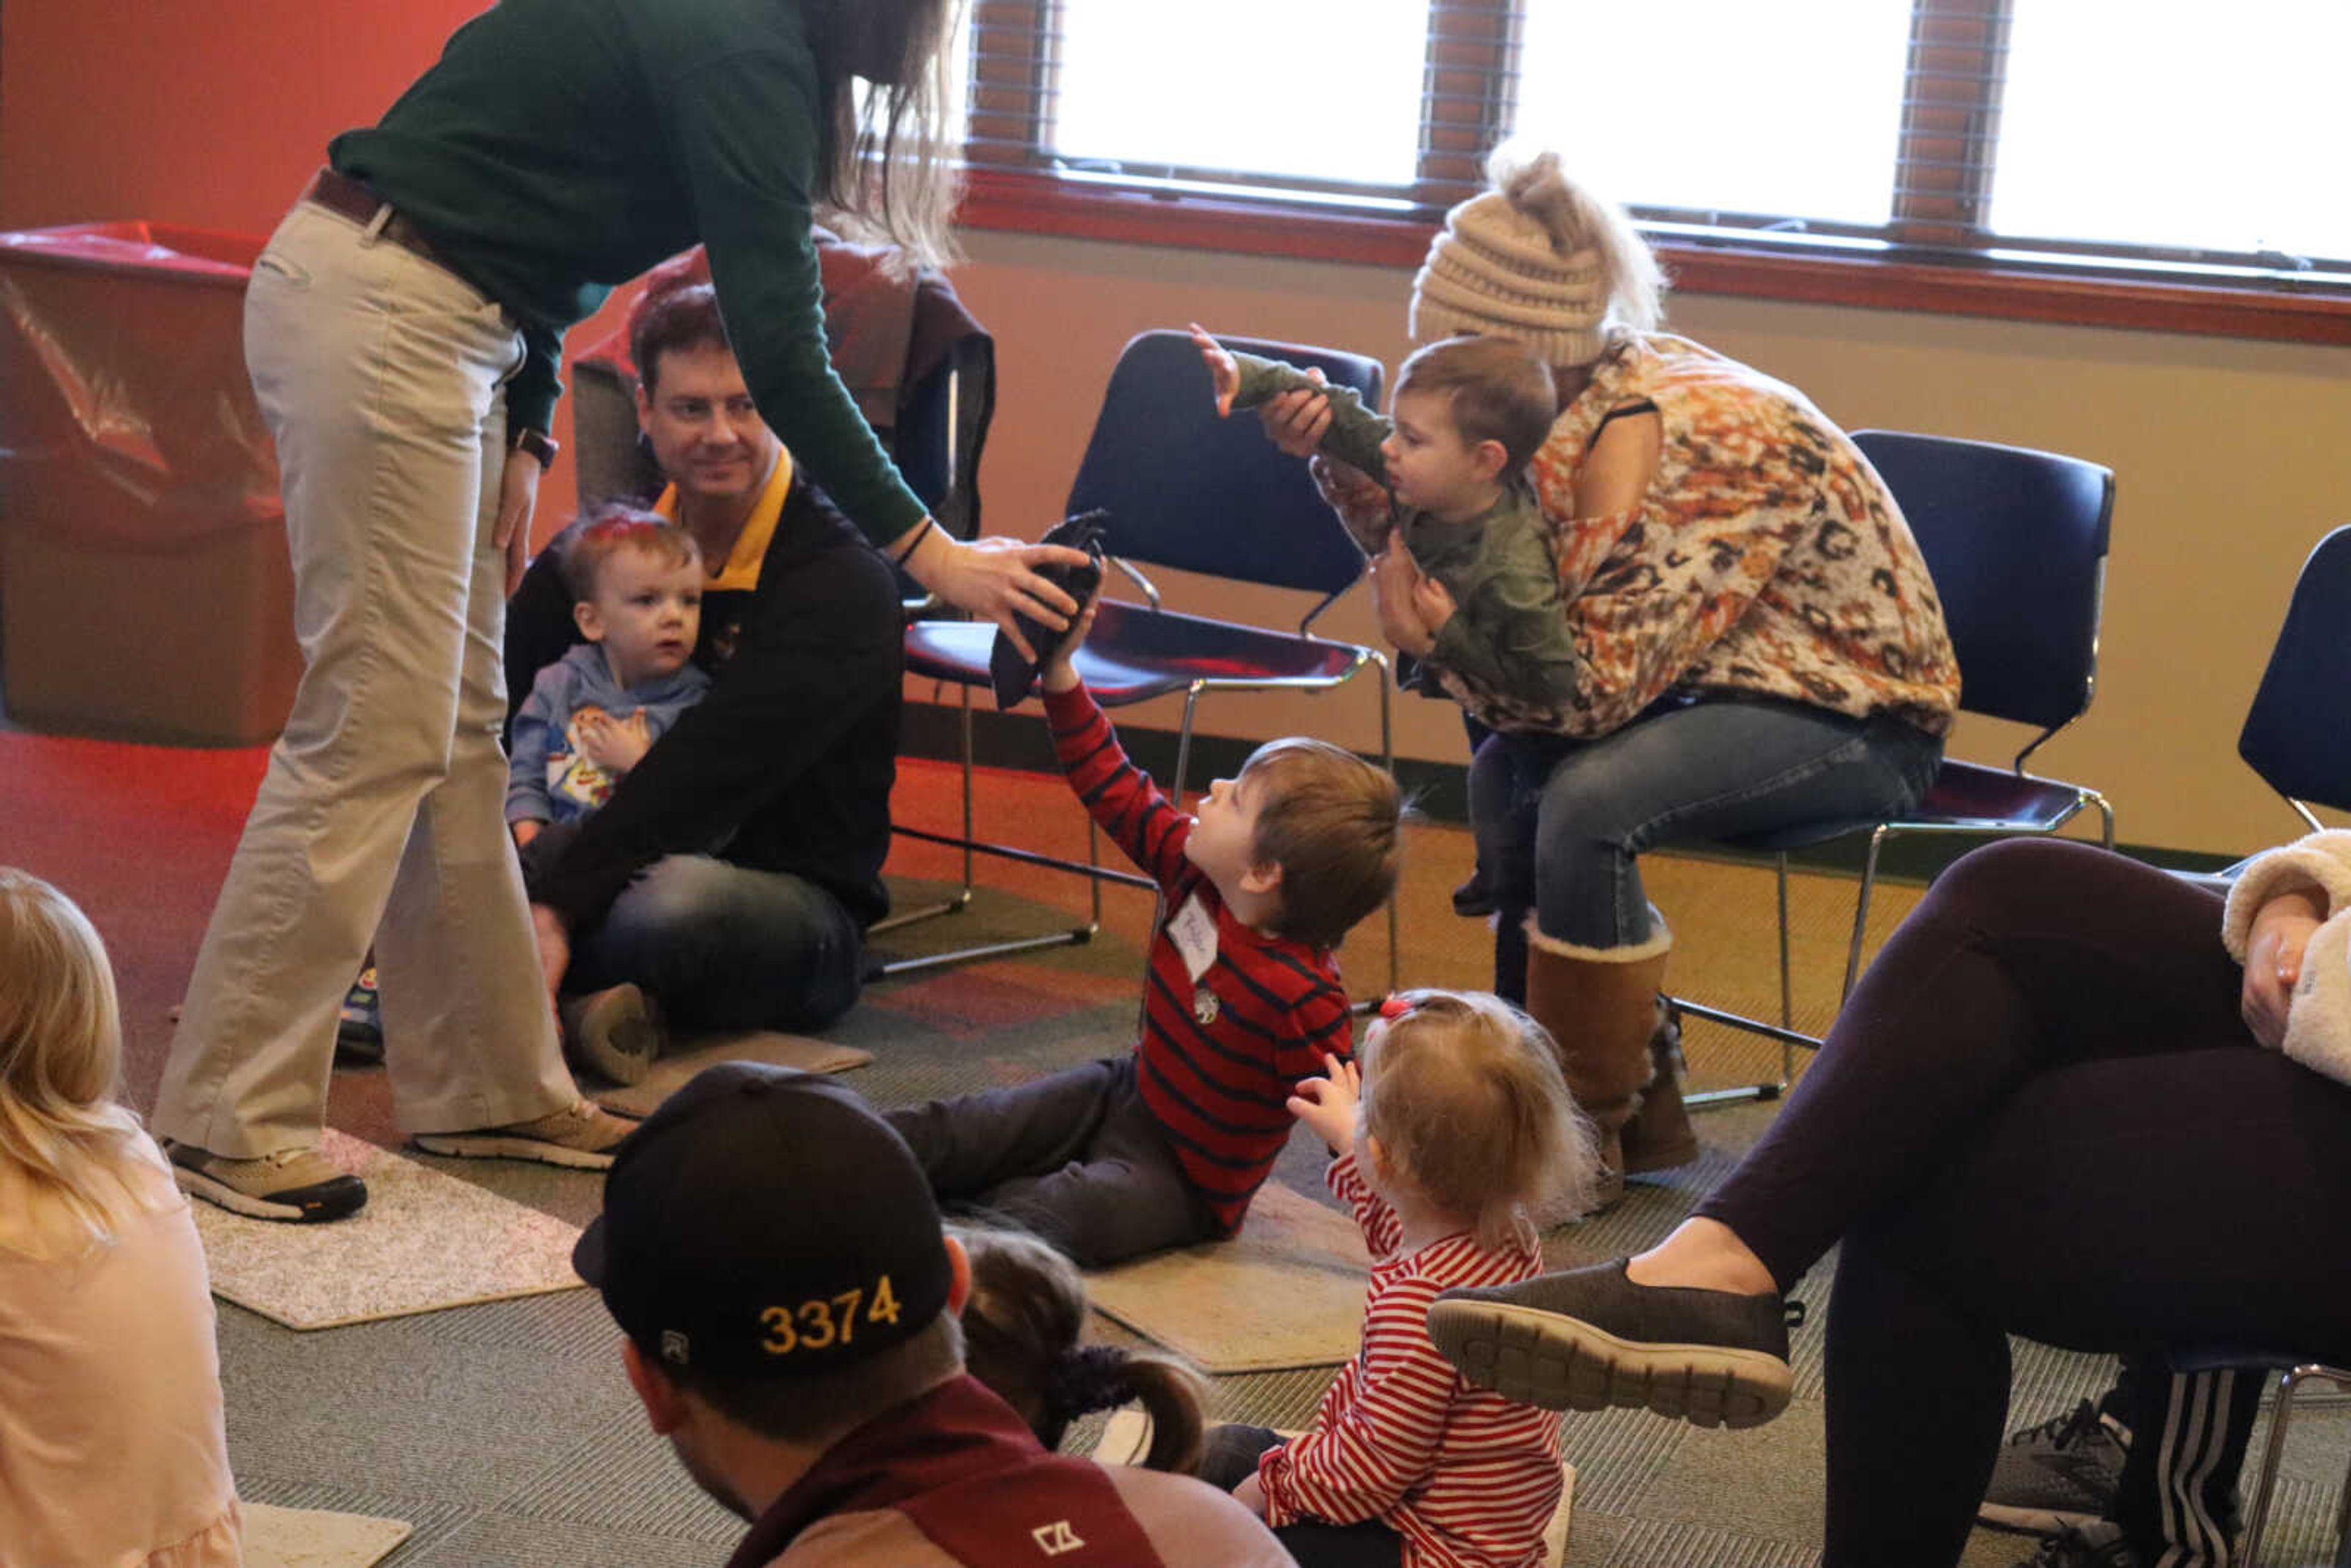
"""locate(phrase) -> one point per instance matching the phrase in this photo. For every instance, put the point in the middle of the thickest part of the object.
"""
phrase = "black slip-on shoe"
(1586, 1339)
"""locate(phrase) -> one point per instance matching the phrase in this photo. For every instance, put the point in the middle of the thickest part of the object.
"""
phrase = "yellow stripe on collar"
(741, 572)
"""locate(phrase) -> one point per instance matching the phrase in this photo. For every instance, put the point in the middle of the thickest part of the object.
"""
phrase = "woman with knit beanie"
(1762, 644)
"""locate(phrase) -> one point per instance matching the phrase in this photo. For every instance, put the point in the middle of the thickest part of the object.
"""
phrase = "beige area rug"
(1127, 1438)
(424, 1241)
(1288, 1291)
(312, 1538)
(673, 1072)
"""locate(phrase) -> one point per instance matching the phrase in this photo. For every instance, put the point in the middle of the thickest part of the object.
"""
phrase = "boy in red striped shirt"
(1165, 1145)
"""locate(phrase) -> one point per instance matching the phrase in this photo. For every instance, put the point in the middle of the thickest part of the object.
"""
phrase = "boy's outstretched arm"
(1245, 380)
(1126, 804)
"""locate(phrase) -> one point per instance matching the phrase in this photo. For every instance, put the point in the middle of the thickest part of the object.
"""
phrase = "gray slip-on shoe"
(1586, 1339)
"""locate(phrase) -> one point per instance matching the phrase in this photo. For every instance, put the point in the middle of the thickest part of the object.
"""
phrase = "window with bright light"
(1190, 89)
(2140, 141)
(2188, 131)
(1792, 108)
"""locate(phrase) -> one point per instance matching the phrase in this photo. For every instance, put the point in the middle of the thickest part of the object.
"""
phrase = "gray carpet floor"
(507, 1436)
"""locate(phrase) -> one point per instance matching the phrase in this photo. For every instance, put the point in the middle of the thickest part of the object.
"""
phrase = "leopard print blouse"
(1767, 558)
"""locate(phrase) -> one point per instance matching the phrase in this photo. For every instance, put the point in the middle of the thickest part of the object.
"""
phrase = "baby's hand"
(1059, 672)
(1327, 1104)
(1224, 371)
(1433, 602)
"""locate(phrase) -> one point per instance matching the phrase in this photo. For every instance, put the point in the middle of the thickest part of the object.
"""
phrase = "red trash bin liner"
(143, 583)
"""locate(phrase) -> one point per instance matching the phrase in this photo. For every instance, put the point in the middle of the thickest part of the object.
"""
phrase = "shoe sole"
(1541, 1358)
(621, 1048)
(506, 1146)
(2034, 1521)
(219, 1193)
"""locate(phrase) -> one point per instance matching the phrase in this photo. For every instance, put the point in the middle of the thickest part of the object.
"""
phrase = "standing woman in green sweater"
(404, 329)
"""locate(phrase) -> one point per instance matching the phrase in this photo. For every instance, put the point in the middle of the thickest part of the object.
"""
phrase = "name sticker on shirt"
(1194, 932)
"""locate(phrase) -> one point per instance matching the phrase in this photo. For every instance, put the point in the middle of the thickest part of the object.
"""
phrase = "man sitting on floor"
(733, 873)
(791, 1304)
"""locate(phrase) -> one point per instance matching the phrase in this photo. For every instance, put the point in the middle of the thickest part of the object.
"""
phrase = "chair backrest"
(1186, 489)
(2016, 542)
(2296, 735)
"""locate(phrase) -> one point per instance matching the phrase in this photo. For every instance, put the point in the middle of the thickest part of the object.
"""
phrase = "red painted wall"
(209, 112)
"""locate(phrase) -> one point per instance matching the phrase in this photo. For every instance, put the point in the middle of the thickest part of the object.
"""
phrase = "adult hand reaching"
(993, 579)
(1297, 420)
(2273, 952)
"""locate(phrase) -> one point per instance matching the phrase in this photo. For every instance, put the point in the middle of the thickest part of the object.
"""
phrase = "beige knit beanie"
(1538, 261)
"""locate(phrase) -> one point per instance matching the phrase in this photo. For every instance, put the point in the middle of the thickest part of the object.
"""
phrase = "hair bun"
(1086, 1378)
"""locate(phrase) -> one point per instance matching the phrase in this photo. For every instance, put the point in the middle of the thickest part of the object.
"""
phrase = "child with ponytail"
(1021, 1331)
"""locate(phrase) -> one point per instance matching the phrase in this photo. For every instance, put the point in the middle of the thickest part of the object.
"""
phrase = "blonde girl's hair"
(887, 160)
(61, 1129)
(1464, 1093)
(1578, 218)
(1022, 1328)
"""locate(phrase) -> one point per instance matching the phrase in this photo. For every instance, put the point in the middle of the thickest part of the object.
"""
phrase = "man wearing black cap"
(773, 1252)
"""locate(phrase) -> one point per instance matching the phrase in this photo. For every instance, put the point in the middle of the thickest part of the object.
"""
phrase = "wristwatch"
(538, 444)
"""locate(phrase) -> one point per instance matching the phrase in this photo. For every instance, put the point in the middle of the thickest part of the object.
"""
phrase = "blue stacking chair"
(2016, 543)
(1183, 489)
(2295, 736)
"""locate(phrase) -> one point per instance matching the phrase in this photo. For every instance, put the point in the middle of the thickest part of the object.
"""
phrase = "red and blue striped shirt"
(1221, 1053)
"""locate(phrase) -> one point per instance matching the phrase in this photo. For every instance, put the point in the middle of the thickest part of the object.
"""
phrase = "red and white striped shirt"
(1222, 1050)
(1469, 1479)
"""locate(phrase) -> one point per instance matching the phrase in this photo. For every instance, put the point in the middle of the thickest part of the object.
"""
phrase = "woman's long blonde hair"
(887, 167)
(61, 1129)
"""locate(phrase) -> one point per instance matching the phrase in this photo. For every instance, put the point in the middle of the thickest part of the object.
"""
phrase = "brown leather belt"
(353, 199)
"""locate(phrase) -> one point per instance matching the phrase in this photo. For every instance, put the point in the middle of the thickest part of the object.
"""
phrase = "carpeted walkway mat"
(1288, 1291)
(313, 1538)
(424, 1241)
(672, 1072)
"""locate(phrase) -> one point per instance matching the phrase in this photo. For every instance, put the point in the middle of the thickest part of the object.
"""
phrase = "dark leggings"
(2040, 1114)
(1229, 1456)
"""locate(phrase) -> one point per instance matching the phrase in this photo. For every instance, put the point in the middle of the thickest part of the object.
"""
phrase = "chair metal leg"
(1861, 914)
(2257, 1517)
(1387, 760)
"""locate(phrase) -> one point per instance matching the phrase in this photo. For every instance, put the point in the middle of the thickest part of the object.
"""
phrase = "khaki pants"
(380, 375)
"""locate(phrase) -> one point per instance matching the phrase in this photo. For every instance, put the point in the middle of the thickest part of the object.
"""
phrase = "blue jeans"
(1560, 823)
(724, 947)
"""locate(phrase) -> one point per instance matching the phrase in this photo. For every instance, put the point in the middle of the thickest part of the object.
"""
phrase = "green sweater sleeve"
(1354, 435)
(745, 128)
(1508, 633)
(530, 396)
(1356, 432)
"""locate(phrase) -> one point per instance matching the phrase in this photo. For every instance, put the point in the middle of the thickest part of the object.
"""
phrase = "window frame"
(1934, 256)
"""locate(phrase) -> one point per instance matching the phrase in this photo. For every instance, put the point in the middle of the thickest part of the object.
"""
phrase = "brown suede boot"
(1659, 1136)
(1600, 1006)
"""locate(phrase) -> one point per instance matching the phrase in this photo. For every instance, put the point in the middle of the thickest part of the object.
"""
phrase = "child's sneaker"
(1589, 1338)
(2060, 1475)
(359, 1028)
(616, 1032)
(293, 1186)
(580, 1136)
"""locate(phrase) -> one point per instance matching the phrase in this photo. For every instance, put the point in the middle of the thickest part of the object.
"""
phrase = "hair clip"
(1395, 1005)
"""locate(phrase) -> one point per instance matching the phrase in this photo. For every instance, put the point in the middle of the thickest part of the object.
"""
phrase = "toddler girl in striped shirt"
(1453, 1129)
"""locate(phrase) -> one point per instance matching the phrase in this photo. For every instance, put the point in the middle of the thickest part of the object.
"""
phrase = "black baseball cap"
(765, 1223)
